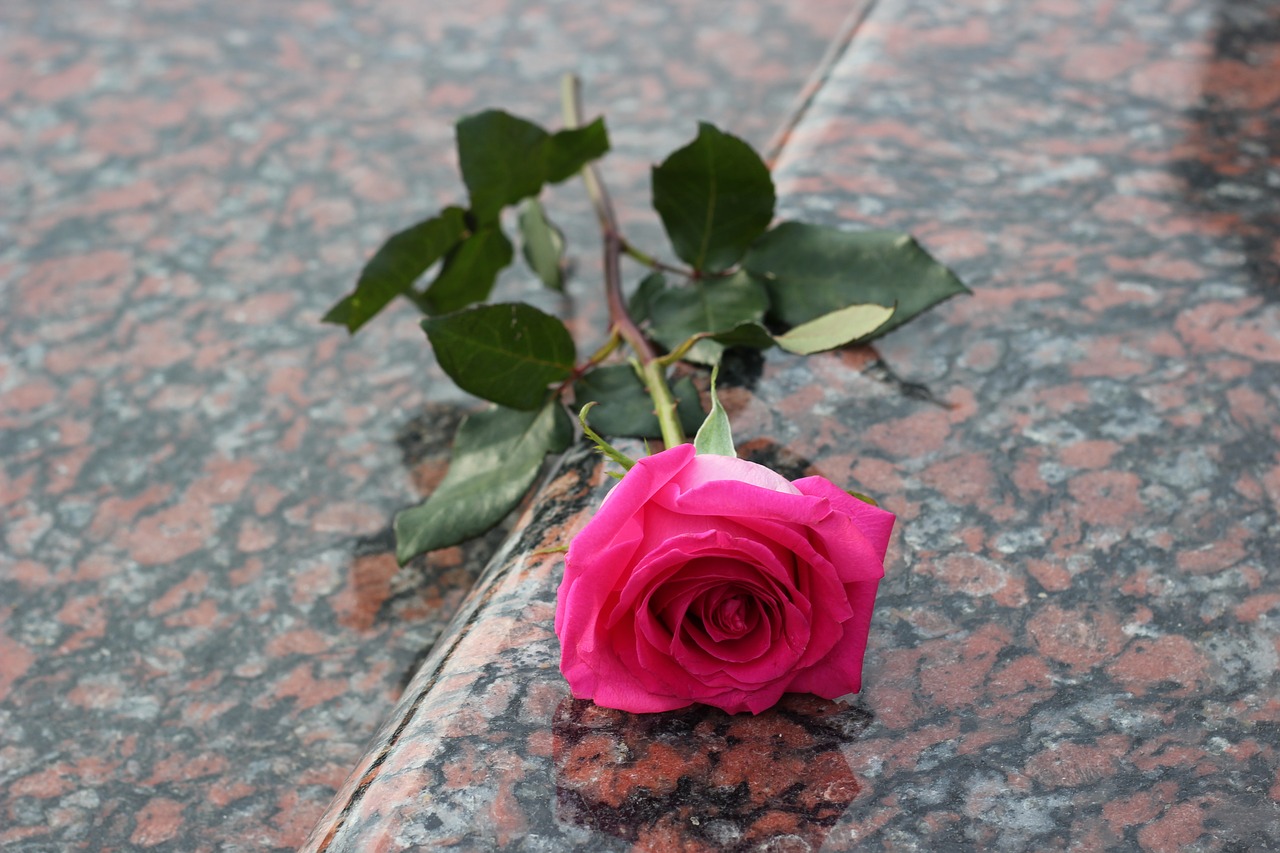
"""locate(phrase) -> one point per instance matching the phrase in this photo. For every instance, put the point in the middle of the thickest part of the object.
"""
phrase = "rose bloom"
(713, 579)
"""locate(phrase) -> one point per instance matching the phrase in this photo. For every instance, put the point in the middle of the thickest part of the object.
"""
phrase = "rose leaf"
(395, 267)
(640, 305)
(715, 196)
(542, 244)
(497, 454)
(469, 272)
(506, 353)
(854, 323)
(706, 305)
(505, 158)
(749, 335)
(624, 407)
(567, 151)
(812, 270)
(502, 158)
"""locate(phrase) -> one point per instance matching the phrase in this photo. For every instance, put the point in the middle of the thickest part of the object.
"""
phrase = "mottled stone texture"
(1079, 632)
(201, 622)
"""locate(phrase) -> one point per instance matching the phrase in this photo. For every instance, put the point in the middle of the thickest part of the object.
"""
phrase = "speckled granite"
(201, 622)
(1078, 638)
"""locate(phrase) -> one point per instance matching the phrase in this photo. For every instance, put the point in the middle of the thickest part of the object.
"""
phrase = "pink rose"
(712, 579)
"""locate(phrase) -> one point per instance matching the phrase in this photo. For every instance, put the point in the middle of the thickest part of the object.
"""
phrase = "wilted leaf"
(836, 329)
(542, 244)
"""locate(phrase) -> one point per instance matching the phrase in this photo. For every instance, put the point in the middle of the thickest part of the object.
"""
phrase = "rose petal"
(694, 581)
(621, 691)
(813, 579)
(659, 565)
(755, 700)
(781, 537)
(629, 496)
(840, 671)
(875, 523)
(788, 630)
(755, 642)
(671, 602)
(707, 468)
(743, 501)
(783, 545)
(653, 665)
(598, 577)
(845, 547)
(728, 613)
(803, 584)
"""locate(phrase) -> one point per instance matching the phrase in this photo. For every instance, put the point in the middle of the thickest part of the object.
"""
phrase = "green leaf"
(836, 329)
(497, 454)
(567, 151)
(469, 272)
(640, 306)
(715, 197)
(706, 305)
(860, 496)
(394, 268)
(625, 407)
(542, 244)
(811, 270)
(688, 406)
(503, 159)
(714, 436)
(750, 335)
(506, 353)
(340, 313)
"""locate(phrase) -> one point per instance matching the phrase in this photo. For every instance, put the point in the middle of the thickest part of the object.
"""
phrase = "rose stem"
(651, 370)
(653, 263)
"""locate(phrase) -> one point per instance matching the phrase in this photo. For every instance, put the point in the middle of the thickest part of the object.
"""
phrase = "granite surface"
(1078, 637)
(201, 621)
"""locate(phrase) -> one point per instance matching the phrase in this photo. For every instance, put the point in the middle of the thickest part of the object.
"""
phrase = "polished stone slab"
(201, 620)
(1079, 631)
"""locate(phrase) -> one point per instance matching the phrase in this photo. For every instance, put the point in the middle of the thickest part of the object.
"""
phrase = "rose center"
(730, 615)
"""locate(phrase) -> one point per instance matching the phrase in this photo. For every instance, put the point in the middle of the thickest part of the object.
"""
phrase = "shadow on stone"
(427, 590)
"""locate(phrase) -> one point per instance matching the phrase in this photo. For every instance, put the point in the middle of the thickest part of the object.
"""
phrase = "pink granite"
(1078, 637)
(201, 620)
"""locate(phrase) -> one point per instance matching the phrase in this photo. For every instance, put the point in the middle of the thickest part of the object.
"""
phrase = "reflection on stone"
(1228, 167)
(695, 777)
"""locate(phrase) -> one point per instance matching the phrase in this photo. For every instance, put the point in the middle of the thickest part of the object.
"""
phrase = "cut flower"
(711, 579)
